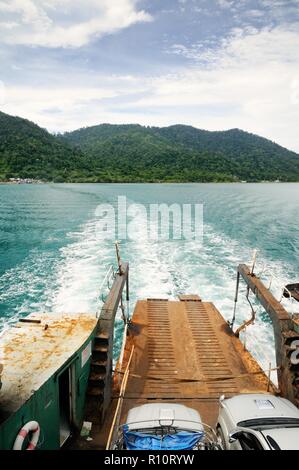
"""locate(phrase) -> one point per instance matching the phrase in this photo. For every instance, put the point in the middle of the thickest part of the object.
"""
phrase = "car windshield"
(157, 430)
(162, 430)
(268, 423)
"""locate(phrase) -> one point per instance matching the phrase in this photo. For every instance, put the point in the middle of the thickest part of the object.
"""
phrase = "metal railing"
(283, 289)
(281, 297)
(105, 287)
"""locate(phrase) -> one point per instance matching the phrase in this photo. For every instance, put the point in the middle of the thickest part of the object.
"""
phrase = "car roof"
(156, 414)
(252, 406)
(286, 438)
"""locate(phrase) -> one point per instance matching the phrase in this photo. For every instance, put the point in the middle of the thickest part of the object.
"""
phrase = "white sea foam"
(83, 265)
(158, 269)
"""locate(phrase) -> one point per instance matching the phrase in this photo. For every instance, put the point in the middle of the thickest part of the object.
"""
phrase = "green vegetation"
(27, 151)
(132, 153)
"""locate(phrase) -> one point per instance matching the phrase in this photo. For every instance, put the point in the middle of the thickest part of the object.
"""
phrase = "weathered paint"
(181, 352)
(64, 343)
(284, 333)
(99, 398)
(296, 323)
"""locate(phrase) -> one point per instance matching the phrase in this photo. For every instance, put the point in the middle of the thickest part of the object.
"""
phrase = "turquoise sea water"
(53, 260)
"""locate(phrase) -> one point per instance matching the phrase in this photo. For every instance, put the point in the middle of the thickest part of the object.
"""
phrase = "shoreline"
(40, 183)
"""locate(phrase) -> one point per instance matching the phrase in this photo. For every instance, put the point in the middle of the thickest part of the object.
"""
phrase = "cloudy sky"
(214, 64)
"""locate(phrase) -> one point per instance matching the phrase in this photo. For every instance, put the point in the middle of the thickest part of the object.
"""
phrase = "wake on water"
(158, 269)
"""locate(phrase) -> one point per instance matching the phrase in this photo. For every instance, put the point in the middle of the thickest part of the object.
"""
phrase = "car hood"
(257, 406)
(285, 438)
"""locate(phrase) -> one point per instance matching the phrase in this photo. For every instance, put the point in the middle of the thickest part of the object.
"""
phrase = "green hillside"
(183, 153)
(27, 151)
(133, 153)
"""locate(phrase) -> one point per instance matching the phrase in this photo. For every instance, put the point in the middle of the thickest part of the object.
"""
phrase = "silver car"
(258, 422)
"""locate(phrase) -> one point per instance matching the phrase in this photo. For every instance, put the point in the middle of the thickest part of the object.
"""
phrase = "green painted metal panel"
(43, 406)
(82, 375)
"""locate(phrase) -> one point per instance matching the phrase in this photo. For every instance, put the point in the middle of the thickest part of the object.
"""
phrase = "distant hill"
(184, 153)
(28, 151)
(133, 153)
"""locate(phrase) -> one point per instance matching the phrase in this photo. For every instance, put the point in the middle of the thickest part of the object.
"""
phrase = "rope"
(247, 322)
(216, 379)
(122, 352)
(120, 400)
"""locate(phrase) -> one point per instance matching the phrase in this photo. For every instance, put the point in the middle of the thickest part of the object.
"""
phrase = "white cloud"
(255, 13)
(251, 76)
(281, 10)
(225, 3)
(253, 47)
(65, 23)
(279, 3)
(249, 82)
(2, 93)
(70, 105)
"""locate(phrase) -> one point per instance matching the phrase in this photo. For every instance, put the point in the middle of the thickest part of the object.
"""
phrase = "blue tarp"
(180, 441)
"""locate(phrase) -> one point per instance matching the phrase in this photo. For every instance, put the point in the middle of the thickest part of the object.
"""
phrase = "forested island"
(134, 153)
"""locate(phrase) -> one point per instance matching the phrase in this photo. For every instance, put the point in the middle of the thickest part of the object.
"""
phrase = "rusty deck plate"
(31, 352)
(186, 353)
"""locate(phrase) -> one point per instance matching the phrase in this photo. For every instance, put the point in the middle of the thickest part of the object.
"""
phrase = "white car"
(165, 426)
(258, 422)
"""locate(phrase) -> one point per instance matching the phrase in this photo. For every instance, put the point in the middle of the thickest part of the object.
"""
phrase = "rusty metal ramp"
(185, 352)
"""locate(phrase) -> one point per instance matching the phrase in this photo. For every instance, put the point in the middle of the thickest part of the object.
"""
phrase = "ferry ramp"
(179, 352)
(185, 352)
